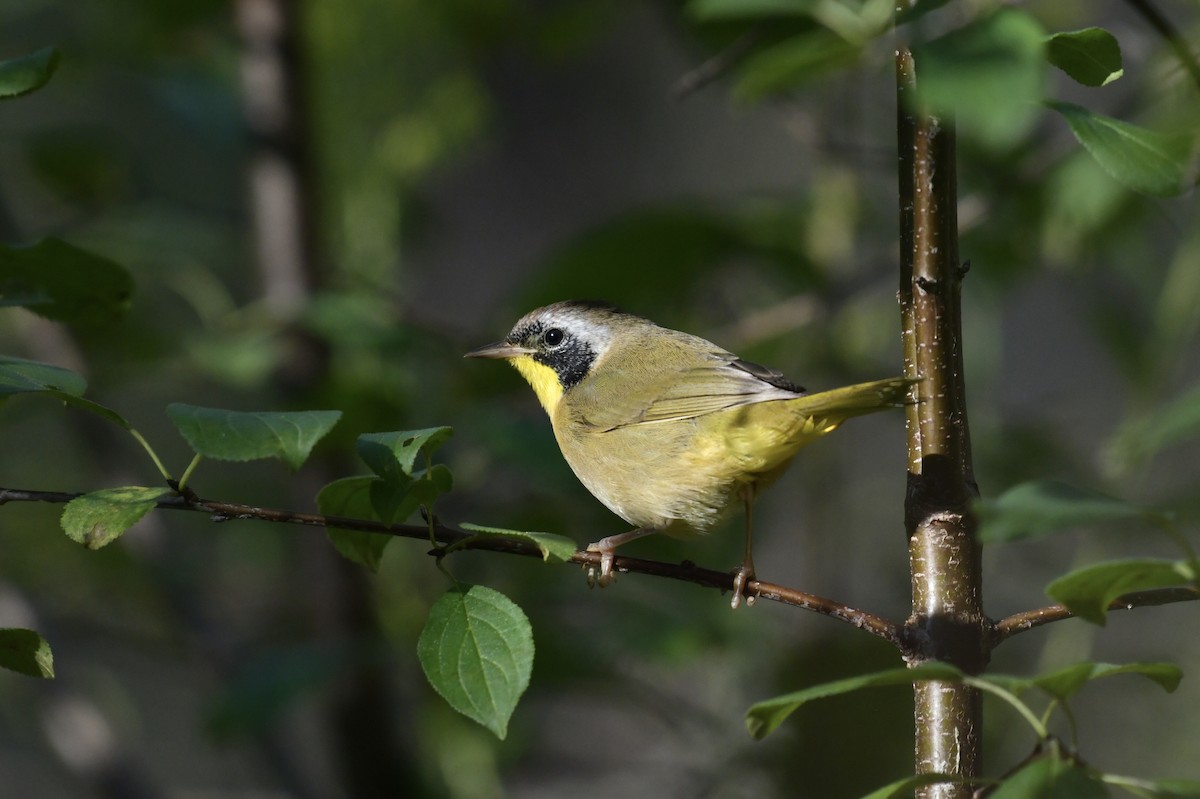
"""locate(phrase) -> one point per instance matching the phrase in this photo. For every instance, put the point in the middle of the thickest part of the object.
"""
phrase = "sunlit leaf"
(62, 282)
(989, 76)
(477, 652)
(1141, 159)
(391, 453)
(763, 717)
(28, 73)
(1090, 56)
(554, 548)
(1045, 506)
(101, 517)
(245, 436)
(25, 652)
(351, 497)
(1087, 592)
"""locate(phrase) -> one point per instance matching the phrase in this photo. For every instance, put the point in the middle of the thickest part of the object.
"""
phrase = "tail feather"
(839, 404)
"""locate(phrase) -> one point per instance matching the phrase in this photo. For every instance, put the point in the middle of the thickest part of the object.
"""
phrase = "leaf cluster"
(989, 74)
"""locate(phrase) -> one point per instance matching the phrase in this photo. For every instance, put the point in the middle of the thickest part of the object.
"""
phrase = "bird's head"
(557, 346)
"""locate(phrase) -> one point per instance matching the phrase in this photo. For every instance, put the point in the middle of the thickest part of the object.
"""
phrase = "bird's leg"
(745, 573)
(607, 548)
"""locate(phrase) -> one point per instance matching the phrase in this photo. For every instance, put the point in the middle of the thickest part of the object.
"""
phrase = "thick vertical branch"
(947, 622)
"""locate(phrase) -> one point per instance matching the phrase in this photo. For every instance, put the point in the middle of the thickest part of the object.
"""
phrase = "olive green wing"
(678, 379)
(708, 389)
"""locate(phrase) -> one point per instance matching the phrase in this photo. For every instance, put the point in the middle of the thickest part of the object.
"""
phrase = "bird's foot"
(607, 547)
(604, 576)
(742, 576)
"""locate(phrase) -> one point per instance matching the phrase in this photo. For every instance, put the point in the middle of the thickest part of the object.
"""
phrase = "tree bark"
(947, 621)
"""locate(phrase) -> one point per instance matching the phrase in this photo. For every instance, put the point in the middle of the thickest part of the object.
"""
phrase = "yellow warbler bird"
(666, 429)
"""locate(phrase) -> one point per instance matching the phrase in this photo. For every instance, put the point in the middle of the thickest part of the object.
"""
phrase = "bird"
(668, 430)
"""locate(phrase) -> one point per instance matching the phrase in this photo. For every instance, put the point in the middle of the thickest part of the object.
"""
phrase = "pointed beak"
(501, 349)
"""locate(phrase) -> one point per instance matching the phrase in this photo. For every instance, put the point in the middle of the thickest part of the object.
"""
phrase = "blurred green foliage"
(768, 228)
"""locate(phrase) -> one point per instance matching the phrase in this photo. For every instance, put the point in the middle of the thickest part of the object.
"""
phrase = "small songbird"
(666, 429)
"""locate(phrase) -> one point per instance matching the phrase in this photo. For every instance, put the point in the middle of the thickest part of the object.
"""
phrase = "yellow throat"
(544, 380)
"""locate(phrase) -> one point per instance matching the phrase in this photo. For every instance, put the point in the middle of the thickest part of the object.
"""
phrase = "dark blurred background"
(325, 210)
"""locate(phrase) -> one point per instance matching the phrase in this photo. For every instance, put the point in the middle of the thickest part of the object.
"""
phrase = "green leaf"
(246, 436)
(555, 548)
(763, 717)
(477, 652)
(392, 456)
(388, 454)
(790, 63)
(904, 787)
(19, 376)
(1090, 56)
(1145, 161)
(351, 497)
(26, 652)
(1139, 440)
(430, 484)
(390, 499)
(29, 73)
(101, 517)
(62, 282)
(1039, 507)
(92, 407)
(1050, 777)
(713, 10)
(395, 501)
(1063, 683)
(1088, 592)
(989, 76)
(440, 477)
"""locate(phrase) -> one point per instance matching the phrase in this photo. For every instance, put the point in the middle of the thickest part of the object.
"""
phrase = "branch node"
(928, 285)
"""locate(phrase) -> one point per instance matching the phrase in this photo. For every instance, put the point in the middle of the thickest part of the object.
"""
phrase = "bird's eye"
(553, 337)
